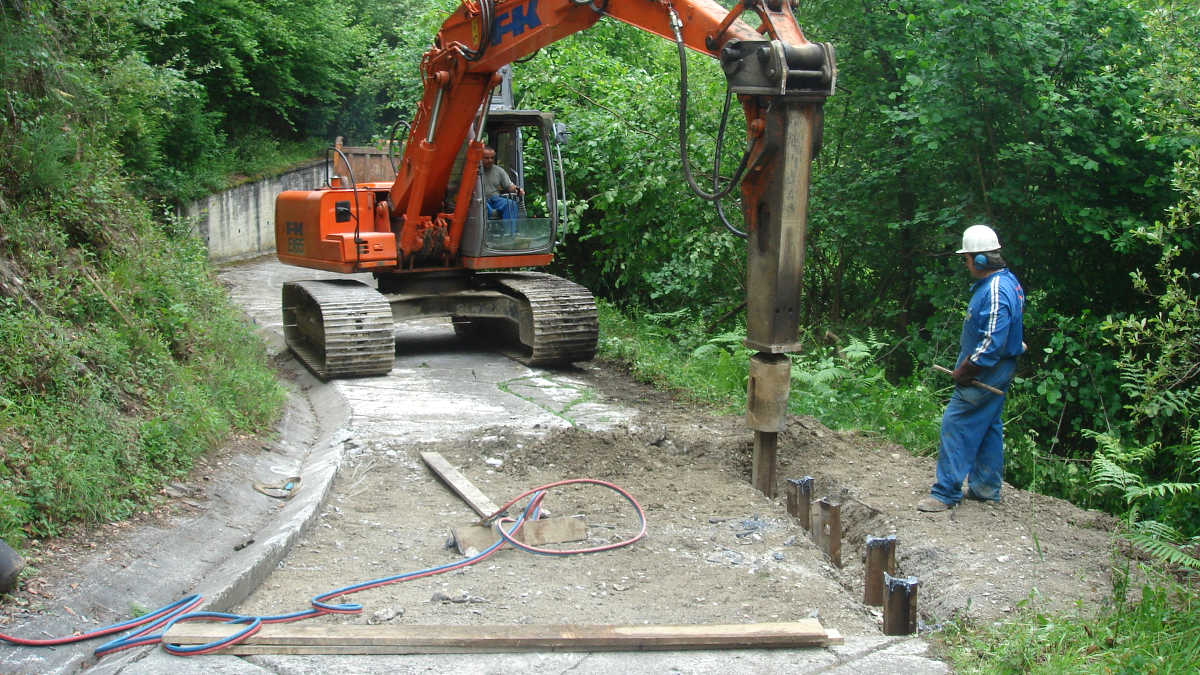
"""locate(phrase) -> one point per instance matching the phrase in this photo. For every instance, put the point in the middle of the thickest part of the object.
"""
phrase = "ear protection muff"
(981, 261)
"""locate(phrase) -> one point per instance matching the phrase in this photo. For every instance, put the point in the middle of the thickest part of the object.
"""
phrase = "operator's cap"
(979, 239)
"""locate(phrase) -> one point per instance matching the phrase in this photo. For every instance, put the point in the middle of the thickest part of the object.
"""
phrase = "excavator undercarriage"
(344, 328)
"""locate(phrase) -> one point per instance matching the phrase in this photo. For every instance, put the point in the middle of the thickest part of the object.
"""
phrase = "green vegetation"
(182, 95)
(1069, 125)
(1158, 634)
(842, 385)
(122, 358)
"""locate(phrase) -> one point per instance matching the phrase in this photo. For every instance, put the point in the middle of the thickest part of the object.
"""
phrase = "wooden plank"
(472, 539)
(459, 483)
(311, 638)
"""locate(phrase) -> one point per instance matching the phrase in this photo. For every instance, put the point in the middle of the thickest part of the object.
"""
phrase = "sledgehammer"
(974, 383)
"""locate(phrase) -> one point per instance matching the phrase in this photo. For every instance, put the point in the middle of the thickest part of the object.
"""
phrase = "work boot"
(968, 494)
(933, 505)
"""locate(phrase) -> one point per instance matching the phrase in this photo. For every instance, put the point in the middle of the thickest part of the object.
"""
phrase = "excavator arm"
(482, 36)
(781, 81)
(478, 39)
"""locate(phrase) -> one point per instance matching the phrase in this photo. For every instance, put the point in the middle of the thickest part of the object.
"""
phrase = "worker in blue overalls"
(972, 446)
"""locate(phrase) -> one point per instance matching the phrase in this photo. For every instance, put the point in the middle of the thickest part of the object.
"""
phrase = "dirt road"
(717, 551)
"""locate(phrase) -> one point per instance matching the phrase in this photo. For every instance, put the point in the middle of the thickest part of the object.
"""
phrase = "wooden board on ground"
(471, 539)
(295, 638)
(459, 483)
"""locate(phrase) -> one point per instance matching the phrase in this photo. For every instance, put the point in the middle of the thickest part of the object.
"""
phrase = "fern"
(1163, 551)
(1161, 490)
(1163, 543)
(1167, 402)
(1158, 530)
(856, 350)
(1107, 474)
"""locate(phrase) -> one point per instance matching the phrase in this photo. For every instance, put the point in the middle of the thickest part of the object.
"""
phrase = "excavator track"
(339, 328)
(565, 327)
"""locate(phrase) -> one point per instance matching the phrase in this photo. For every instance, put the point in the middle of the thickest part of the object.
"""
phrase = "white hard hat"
(979, 239)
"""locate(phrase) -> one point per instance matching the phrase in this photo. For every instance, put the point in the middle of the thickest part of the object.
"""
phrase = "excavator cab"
(525, 142)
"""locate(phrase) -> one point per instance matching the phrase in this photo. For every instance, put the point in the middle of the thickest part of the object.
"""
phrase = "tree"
(1160, 347)
(279, 65)
(1021, 113)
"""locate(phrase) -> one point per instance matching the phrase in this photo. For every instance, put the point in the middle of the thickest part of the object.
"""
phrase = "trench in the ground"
(726, 450)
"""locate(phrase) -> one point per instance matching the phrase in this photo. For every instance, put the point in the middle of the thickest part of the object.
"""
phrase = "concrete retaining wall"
(240, 222)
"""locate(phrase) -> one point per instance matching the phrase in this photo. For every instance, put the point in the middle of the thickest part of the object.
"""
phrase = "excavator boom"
(480, 37)
(418, 224)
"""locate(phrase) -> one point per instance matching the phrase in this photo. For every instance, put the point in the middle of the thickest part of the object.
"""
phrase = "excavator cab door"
(526, 147)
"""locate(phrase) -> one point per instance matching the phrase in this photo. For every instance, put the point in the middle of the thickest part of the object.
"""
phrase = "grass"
(122, 361)
(250, 158)
(843, 386)
(652, 356)
(258, 158)
(1158, 634)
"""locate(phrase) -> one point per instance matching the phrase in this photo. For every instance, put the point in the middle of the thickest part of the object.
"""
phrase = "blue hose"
(319, 604)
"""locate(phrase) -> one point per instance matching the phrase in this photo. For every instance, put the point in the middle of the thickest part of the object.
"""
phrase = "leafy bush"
(843, 387)
(1153, 461)
(117, 371)
(122, 359)
(846, 388)
(1119, 469)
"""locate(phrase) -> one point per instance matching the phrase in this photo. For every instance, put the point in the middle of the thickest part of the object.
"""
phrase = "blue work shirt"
(992, 330)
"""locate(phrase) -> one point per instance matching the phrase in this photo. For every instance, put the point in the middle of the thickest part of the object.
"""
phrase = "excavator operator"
(496, 185)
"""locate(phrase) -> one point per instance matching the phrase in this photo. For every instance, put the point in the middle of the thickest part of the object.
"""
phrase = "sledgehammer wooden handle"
(974, 383)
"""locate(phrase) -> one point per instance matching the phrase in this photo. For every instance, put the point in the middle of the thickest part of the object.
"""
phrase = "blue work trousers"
(506, 209)
(972, 443)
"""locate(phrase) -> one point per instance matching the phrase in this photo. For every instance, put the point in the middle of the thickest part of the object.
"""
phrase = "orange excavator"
(435, 248)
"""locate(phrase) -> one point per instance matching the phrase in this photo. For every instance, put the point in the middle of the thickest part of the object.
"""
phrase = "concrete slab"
(909, 655)
(158, 661)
